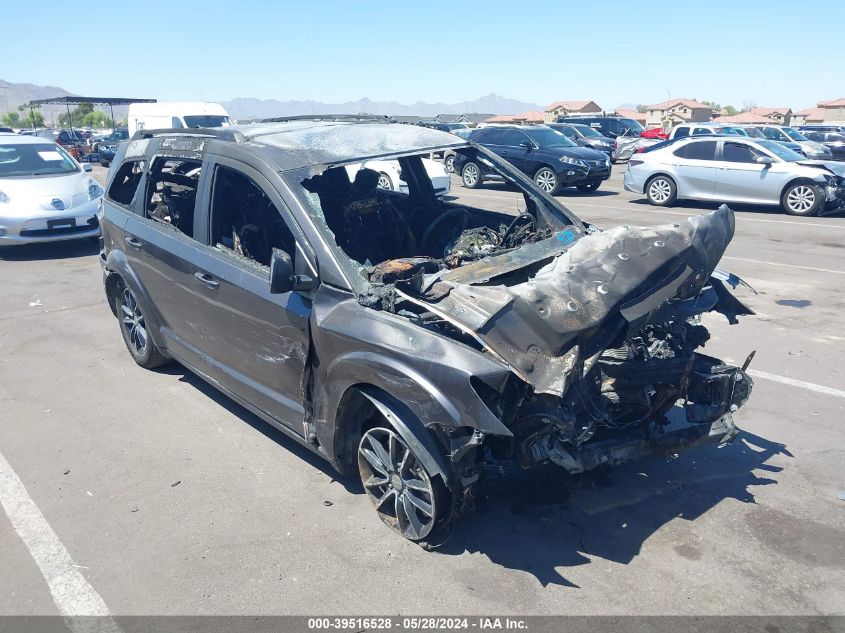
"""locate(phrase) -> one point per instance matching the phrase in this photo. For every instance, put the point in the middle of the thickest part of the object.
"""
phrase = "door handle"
(134, 242)
(207, 280)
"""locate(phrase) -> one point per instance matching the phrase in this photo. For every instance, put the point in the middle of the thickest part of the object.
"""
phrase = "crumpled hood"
(579, 301)
(836, 167)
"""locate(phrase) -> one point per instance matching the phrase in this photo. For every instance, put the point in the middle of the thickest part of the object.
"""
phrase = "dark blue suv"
(108, 146)
(547, 156)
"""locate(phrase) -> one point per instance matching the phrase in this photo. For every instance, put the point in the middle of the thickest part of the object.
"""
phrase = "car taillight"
(640, 150)
(633, 162)
(615, 144)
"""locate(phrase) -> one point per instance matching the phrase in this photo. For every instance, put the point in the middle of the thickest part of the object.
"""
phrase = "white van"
(176, 114)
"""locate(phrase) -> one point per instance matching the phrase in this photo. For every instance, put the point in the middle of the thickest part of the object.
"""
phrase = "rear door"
(741, 179)
(514, 150)
(696, 169)
(159, 245)
(256, 343)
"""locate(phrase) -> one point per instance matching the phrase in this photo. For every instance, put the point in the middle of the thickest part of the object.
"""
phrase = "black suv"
(609, 126)
(548, 156)
(413, 340)
(585, 136)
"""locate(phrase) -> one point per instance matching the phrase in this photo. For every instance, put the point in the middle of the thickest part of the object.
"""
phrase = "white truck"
(176, 114)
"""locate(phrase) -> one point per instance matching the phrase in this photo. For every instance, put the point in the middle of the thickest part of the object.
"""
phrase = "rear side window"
(681, 132)
(172, 192)
(702, 130)
(703, 150)
(125, 183)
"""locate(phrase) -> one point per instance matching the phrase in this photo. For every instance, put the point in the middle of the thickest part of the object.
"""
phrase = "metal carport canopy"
(70, 100)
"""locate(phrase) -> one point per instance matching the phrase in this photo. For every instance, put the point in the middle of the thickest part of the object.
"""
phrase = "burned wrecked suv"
(411, 338)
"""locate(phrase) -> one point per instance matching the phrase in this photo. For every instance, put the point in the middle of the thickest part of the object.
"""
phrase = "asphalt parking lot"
(172, 499)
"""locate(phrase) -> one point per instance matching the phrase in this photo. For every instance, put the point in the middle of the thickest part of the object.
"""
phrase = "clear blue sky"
(329, 50)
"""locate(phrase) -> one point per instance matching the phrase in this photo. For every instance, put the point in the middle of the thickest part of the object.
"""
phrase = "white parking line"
(781, 265)
(70, 591)
(649, 209)
(829, 391)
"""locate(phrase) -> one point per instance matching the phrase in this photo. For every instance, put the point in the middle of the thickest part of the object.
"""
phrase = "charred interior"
(600, 329)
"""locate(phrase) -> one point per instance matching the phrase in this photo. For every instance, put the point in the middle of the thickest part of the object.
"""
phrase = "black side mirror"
(282, 278)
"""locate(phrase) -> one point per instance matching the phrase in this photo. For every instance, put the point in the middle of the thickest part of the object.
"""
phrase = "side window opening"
(681, 132)
(125, 183)
(244, 219)
(172, 192)
(737, 153)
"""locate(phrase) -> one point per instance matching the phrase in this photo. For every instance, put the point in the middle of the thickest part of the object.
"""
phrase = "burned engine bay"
(599, 329)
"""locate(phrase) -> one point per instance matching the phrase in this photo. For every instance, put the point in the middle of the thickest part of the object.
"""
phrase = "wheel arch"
(798, 180)
(119, 271)
(666, 174)
(358, 409)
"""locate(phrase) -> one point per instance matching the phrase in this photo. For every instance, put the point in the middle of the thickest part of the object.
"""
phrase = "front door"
(256, 343)
(742, 179)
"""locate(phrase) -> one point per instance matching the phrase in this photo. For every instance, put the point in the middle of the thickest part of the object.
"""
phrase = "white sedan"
(45, 195)
(389, 175)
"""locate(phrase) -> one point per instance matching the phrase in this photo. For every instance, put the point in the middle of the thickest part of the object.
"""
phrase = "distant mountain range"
(264, 108)
(13, 95)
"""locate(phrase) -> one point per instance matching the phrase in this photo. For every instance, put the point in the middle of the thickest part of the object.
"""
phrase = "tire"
(385, 182)
(449, 163)
(104, 163)
(661, 191)
(547, 180)
(587, 187)
(133, 327)
(406, 497)
(802, 198)
(471, 176)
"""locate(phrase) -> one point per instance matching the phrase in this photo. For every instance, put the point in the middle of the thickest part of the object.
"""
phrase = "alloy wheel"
(450, 164)
(659, 190)
(470, 175)
(801, 199)
(546, 180)
(384, 182)
(397, 483)
(133, 322)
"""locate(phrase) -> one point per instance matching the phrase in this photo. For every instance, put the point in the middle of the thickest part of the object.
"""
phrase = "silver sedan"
(45, 195)
(735, 169)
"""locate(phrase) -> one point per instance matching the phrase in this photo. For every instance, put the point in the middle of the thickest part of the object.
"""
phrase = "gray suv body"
(411, 339)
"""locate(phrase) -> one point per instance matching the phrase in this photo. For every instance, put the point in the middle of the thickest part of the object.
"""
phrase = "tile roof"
(690, 103)
(743, 117)
(572, 106)
(768, 111)
(811, 114)
(631, 114)
(530, 116)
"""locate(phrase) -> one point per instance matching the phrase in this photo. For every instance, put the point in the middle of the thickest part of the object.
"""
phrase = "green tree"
(642, 108)
(30, 115)
(11, 119)
(77, 116)
(97, 119)
(730, 110)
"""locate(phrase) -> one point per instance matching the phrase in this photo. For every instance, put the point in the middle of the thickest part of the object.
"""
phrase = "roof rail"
(338, 118)
(212, 132)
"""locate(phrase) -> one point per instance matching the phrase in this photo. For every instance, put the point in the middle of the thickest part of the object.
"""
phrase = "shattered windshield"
(393, 219)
